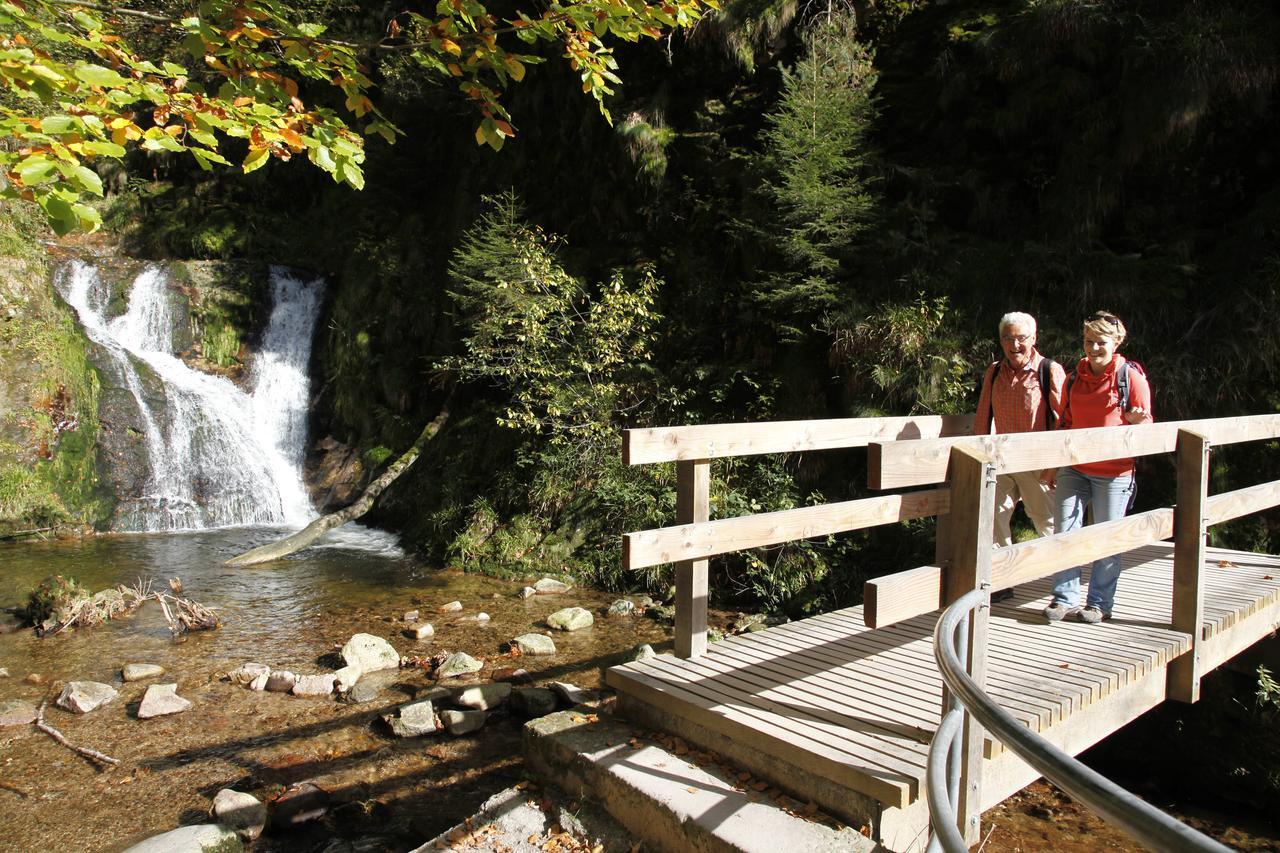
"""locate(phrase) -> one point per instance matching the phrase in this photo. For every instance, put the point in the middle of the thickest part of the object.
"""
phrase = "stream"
(392, 793)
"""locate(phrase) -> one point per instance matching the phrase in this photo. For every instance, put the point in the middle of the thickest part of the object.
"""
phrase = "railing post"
(693, 489)
(1189, 531)
(973, 493)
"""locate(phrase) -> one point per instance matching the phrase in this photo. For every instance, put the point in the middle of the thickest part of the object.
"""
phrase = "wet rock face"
(334, 474)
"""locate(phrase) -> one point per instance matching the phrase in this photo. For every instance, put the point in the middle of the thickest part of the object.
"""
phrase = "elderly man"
(1022, 392)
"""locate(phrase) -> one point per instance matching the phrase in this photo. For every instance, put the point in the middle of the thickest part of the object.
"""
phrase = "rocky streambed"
(381, 748)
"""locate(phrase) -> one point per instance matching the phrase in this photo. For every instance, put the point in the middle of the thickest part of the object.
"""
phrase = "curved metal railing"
(1144, 822)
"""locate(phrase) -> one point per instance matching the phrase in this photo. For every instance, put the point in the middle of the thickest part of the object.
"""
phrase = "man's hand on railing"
(1049, 476)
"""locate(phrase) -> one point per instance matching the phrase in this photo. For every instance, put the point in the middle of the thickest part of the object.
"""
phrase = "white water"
(219, 456)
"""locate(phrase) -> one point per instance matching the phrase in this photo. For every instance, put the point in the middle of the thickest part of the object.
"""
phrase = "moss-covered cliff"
(50, 466)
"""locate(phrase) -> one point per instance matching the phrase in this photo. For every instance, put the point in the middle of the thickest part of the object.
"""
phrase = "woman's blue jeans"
(1111, 498)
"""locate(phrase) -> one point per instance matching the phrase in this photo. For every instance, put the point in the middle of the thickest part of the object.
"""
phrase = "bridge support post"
(693, 491)
(1189, 531)
(973, 493)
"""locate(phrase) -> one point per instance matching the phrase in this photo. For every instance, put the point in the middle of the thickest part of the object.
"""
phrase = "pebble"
(411, 616)
(281, 681)
(458, 663)
(551, 586)
(314, 685)
(482, 697)
(425, 631)
(451, 607)
(527, 592)
(462, 722)
(17, 712)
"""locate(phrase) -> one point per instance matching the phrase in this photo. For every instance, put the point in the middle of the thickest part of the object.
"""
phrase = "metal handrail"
(1141, 820)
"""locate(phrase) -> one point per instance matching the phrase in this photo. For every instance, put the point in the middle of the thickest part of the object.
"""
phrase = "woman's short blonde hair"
(1106, 324)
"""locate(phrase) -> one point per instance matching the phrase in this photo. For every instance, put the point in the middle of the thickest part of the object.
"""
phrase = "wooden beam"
(715, 441)
(1229, 505)
(893, 598)
(710, 538)
(973, 489)
(1189, 528)
(920, 463)
(693, 490)
(1038, 558)
(902, 595)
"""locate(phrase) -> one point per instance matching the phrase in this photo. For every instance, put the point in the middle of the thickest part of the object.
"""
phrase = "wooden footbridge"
(840, 708)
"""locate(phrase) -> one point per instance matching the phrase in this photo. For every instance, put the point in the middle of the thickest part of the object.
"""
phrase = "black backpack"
(1045, 374)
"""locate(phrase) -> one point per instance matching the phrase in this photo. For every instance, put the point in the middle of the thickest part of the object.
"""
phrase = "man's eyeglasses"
(1016, 339)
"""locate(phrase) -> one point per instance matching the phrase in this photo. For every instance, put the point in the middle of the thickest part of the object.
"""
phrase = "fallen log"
(313, 531)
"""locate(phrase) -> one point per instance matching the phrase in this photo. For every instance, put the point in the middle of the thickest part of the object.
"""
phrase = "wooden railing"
(942, 452)
(696, 538)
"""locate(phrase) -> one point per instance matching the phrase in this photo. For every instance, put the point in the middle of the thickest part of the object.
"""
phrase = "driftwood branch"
(60, 738)
(313, 531)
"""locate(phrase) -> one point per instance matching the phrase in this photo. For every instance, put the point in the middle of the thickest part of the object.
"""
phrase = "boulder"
(160, 700)
(314, 685)
(241, 812)
(535, 644)
(140, 671)
(200, 838)
(17, 712)
(281, 681)
(550, 586)
(482, 697)
(533, 701)
(300, 803)
(425, 631)
(571, 694)
(83, 696)
(370, 654)
(414, 719)
(515, 675)
(644, 651)
(571, 619)
(346, 678)
(622, 607)
(246, 673)
(462, 722)
(458, 663)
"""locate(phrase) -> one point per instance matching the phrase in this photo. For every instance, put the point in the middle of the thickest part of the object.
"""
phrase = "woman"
(1095, 397)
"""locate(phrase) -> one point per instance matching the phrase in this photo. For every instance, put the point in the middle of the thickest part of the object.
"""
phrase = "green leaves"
(97, 97)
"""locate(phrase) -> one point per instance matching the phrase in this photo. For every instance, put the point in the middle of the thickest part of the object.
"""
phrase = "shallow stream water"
(293, 615)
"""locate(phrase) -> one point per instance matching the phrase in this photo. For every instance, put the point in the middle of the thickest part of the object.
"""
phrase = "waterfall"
(219, 456)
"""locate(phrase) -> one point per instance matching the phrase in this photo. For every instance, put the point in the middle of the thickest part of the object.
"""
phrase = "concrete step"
(666, 800)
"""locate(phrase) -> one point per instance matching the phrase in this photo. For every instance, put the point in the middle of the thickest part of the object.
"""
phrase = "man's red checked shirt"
(1017, 404)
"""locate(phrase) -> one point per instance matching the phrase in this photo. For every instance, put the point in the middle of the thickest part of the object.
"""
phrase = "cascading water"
(218, 456)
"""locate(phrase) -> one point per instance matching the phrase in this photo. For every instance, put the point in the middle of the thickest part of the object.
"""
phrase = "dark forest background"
(800, 211)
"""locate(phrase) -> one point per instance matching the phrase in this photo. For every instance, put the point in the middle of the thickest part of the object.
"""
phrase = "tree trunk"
(313, 531)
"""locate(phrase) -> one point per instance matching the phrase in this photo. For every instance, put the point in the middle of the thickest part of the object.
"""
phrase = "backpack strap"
(1046, 392)
(1122, 384)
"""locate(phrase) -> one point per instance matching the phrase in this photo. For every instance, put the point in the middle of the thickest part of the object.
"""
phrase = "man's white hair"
(1017, 318)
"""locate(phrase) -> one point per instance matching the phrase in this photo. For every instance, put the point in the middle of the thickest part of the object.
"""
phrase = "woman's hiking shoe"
(1059, 610)
(1093, 615)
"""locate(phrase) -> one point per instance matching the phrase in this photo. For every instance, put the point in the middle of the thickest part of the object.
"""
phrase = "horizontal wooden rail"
(711, 538)
(902, 595)
(920, 463)
(715, 441)
(1241, 502)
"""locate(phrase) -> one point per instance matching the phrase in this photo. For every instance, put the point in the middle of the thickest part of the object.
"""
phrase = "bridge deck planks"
(857, 705)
